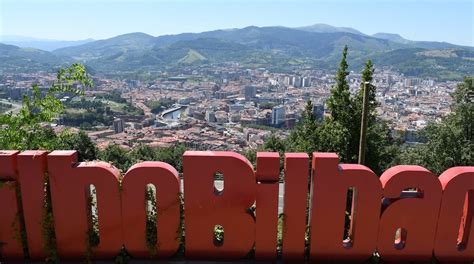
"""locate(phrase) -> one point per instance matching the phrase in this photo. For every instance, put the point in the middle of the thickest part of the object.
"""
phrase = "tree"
(172, 155)
(308, 115)
(117, 156)
(356, 105)
(463, 107)
(358, 101)
(124, 159)
(333, 137)
(29, 128)
(367, 77)
(380, 144)
(382, 149)
(341, 106)
(274, 144)
(339, 103)
(251, 155)
(304, 137)
(143, 153)
(80, 142)
(451, 142)
(340, 133)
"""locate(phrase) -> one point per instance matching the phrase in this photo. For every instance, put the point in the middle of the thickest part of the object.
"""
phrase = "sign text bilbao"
(408, 214)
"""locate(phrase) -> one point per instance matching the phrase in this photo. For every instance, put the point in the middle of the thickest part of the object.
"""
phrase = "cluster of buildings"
(233, 108)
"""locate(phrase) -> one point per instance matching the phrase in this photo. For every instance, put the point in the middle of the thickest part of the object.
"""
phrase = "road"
(16, 106)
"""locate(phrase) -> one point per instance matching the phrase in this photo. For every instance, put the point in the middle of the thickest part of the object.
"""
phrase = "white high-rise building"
(297, 81)
(306, 82)
(278, 115)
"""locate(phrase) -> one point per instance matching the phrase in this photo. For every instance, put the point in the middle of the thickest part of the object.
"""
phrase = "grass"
(192, 57)
(75, 110)
(114, 106)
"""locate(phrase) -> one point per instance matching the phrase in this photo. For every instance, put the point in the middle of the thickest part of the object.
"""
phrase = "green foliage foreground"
(29, 128)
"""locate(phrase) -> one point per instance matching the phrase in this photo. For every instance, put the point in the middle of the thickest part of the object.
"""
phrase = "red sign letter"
(31, 170)
(167, 183)
(330, 187)
(408, 225)
(205, 208)
(455, 231)
(70, 183)
(268, 174)
(294, 206)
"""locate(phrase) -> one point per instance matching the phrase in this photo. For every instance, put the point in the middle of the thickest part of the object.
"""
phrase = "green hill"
(278, 48)
(108, 47)
(440, 63)
(16, 59)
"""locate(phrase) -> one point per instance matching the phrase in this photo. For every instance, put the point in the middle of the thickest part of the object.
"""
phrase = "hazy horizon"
(428, 20)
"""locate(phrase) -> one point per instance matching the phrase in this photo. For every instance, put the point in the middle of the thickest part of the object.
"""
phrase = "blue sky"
(449, 20)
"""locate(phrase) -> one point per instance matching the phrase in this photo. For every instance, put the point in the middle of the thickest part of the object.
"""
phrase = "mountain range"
(277, 48)
(42, 44)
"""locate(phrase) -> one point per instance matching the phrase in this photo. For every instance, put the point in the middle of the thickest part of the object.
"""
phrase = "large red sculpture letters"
(408, 215)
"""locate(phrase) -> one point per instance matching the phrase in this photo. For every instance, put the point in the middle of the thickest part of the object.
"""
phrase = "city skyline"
(435, 20)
